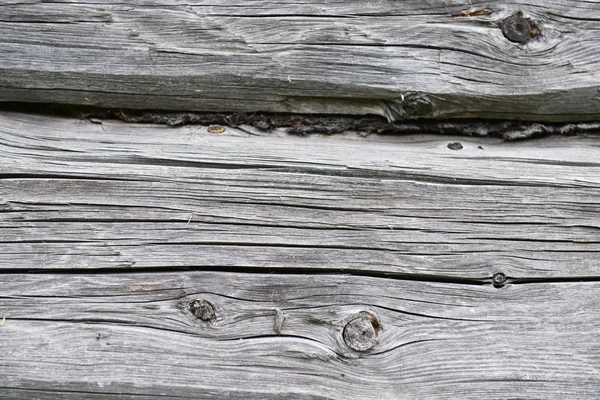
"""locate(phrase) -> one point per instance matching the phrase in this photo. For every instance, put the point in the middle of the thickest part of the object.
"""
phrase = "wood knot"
(417, 106)
(203, 310)
(518, 29)
(361, 332)
(455, 146)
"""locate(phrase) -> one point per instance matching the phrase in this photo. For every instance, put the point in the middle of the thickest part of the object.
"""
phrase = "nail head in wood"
(516, 28)
(203, 310)
(499, 279)
(216, 129)
(361, 332)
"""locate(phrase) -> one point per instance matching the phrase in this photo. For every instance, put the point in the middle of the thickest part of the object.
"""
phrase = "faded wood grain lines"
(144, 261)
(402, 59)
(77, 195)
(133, 335)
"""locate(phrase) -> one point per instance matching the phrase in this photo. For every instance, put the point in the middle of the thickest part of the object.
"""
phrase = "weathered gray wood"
(78, 195)
(352, 57)
(133, 335)
(85, 206)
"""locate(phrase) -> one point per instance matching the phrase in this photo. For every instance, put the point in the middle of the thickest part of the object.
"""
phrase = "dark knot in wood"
(417, 106)
(203, 310)
(361, 332)
(516, 28)
(499, 279)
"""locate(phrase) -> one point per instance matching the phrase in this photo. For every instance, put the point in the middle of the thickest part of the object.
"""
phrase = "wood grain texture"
(113, 235)
(77, 195)
(132, 336)
(351, 57)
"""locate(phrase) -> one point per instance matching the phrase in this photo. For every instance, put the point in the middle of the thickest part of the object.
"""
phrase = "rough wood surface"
(398, 59)
(133, 336)
(82, 195)
(143, 261)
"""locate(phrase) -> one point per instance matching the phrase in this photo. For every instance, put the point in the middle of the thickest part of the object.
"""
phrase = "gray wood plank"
(78, 195)
(401, 60)
(133, 335)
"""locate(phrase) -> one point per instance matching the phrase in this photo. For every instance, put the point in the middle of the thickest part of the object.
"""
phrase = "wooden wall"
(142, 261)
(532, 60)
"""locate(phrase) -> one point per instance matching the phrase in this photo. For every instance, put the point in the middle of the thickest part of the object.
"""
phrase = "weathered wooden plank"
(78, 195)
(402, 59)
(133, 335)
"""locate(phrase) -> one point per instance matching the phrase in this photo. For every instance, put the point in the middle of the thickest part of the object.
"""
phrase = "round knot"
(417, 106)
(455, 146)
(203, 310)
(516, 28)
(360, 333)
